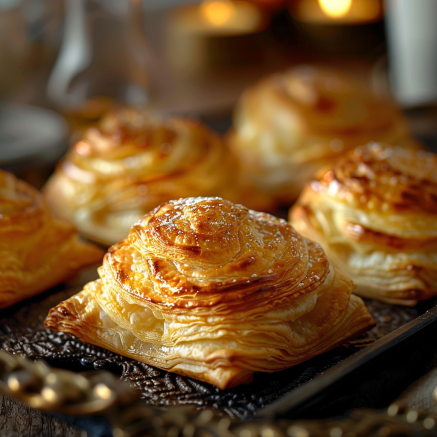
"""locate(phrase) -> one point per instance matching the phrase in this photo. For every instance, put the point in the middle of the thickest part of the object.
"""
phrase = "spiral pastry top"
(37, 251)
(293, 123)
(210, 289)
(131, 163)
(375, 213)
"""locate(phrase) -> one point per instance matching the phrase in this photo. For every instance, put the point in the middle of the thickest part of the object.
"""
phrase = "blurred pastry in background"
(37, 251)
(375, 214)
(214, 291)
(291, 124)
(132, 162)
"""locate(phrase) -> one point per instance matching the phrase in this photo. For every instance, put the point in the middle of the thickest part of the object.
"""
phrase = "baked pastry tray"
(22, 332)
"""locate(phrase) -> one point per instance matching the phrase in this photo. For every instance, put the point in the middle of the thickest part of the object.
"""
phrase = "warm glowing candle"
(202, 34)
(335, 8)
(217, 12)
(337, 11)
(218, 17)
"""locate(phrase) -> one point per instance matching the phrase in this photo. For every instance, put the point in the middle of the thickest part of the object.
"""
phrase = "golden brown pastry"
(291, 124)
(375, 214)
(212, 290)
(132, 163)
(37, 251)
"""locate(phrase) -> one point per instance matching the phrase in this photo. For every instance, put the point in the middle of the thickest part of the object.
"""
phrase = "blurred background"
(63, 62)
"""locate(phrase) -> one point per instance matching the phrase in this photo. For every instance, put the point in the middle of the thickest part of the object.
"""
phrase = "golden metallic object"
(60, 391)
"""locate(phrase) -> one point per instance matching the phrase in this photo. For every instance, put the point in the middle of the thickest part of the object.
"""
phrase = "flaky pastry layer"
(37, 251)
(291, 124)
(375, 214)
(133, 162)
(212, 290)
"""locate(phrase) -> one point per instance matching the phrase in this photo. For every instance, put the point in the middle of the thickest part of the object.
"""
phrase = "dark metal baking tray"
(22, 332)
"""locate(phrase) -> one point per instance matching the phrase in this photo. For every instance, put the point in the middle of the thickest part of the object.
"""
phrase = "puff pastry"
(209, 289)
(37, 251)
(131, 163)
(375, 213)
(293, 123)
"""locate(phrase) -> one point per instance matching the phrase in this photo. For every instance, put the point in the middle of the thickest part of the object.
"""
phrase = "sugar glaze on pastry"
(210, 289)
(37, 251)
(375, 214)
(131, 163)
(291, 124)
